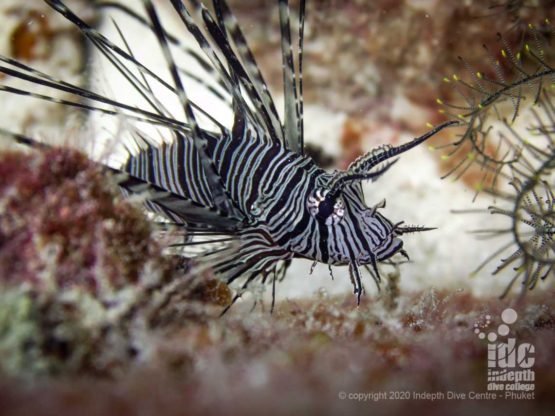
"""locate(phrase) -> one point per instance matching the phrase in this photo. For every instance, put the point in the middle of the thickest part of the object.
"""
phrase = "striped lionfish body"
(248, 184)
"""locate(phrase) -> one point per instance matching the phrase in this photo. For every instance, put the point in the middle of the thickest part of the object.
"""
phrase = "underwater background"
(98, 316)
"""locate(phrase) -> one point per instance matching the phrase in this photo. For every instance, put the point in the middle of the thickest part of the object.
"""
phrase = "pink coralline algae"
(83, 279)
(62, 223)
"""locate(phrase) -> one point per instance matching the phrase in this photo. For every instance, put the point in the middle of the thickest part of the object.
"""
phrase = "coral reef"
(71, 256)
(92, 316)
(96, 320)
(80, 269)
(307, 353)
(60, 214)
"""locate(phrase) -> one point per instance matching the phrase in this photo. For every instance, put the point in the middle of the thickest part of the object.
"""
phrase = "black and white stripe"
(250, 181)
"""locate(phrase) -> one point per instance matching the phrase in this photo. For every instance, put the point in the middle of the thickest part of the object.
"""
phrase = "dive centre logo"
(510, 364)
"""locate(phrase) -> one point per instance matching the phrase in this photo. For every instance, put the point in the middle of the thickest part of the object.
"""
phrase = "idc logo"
(509, 363)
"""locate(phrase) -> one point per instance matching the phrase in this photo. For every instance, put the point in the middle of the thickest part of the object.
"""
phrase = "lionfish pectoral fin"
(255, 258)
(176, 207)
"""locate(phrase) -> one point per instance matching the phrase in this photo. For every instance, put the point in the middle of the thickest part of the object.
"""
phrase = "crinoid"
(486, 101)
(509, 125)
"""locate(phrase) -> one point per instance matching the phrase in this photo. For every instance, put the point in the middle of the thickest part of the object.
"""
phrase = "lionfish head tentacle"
(363, 167)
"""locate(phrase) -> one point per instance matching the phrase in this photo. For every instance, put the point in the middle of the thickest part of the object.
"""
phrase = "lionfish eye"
(325, 208)
(319, 204)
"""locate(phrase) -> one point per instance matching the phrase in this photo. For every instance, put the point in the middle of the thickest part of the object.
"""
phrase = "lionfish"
(247, 185)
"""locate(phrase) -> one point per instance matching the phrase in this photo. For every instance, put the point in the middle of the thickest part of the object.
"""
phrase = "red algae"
(83, 280)
(73, 257)
(60, 213)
